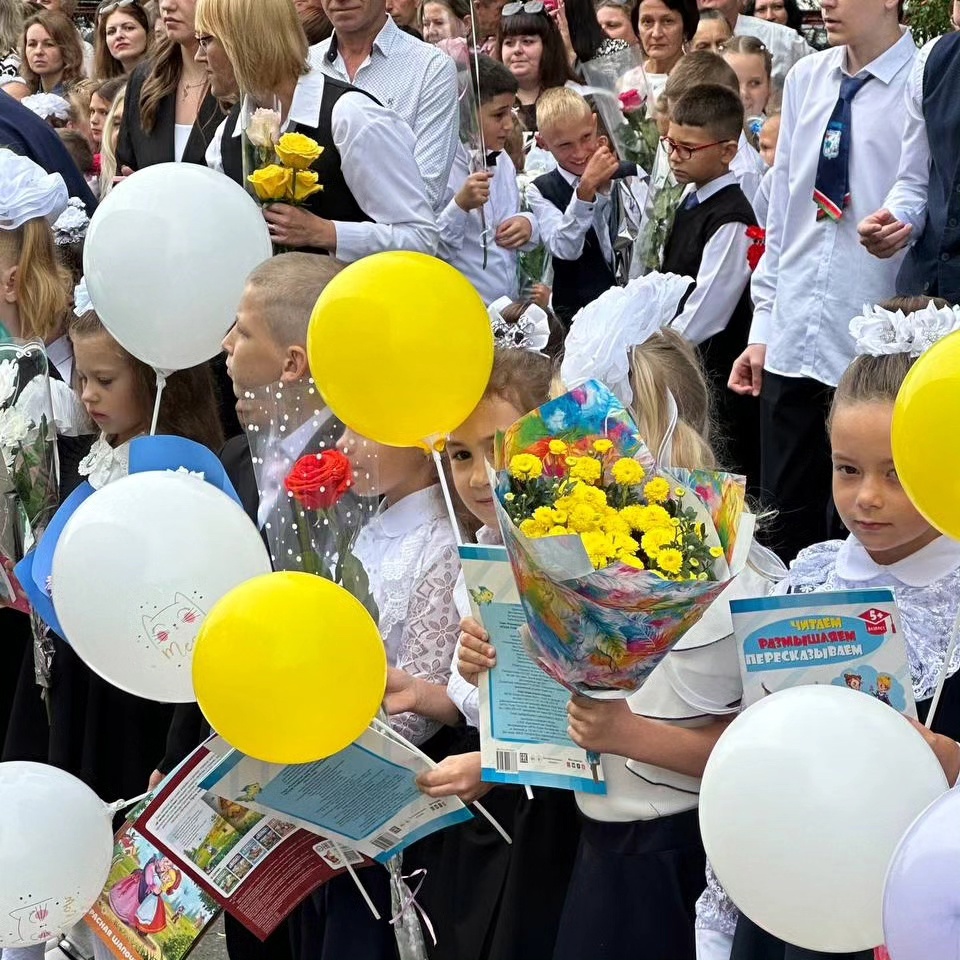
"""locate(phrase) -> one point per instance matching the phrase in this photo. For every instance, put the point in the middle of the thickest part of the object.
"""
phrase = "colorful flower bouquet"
(614, 558)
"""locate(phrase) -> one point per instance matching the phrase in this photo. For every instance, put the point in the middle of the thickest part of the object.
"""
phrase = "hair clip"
(531, 331)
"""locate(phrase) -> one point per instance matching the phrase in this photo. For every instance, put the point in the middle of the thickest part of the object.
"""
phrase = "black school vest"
(683, 254)
(932, 265)
(578, 282)
(334, 201)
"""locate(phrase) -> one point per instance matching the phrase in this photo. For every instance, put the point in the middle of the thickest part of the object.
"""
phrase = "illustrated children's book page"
(257, 867)
(523, 712)
(149, 909)
(848, 638)
(364, 797)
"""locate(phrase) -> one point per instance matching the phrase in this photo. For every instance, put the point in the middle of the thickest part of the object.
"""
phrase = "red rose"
(631, 100)
(318, 480)
(756, 249)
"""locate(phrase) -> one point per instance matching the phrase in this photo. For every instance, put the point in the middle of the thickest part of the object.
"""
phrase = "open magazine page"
(847, 638)
(256, 866)
(523, 712)
(364, 797)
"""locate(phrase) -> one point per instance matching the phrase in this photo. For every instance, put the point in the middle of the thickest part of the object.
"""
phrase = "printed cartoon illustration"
(853, 680)
(831, 144)
(884, 683)
(174, 628)
(33, 924)
(138, 899)
(482, 595)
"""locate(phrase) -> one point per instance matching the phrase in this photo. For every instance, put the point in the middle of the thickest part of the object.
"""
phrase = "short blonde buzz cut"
(560, 105)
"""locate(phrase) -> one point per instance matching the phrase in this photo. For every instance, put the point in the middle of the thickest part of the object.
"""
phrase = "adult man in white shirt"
(414, 79)
(786, 46)
(815, 276)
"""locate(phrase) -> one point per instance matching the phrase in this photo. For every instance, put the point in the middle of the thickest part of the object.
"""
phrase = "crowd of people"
(817, 217)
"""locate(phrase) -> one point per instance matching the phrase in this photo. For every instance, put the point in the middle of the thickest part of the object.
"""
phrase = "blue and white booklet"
(847, 638)
(523, 712)
(364, 797)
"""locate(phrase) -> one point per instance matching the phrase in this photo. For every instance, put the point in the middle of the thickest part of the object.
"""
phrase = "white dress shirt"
(377, 160)
(786, 46)
(748, 167)
(723, 275)
(907, 200)
(761, 199)
(461, 231)
(416, 80)
(815, 276)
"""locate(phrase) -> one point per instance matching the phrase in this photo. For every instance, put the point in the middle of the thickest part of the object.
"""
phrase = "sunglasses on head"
(109, 8)
(531, 6)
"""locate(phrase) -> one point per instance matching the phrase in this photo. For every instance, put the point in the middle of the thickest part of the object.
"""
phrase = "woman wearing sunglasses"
(532, 49)
(124, 38)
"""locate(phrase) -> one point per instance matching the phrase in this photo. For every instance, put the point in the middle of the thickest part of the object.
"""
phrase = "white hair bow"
(879, 332)
(71, 225)
(81, 299)
(530, 332)
(28, 192)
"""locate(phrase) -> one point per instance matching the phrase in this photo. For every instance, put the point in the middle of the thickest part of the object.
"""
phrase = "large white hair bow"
(879, 332)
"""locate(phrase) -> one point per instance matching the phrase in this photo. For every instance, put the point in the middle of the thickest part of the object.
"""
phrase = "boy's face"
(769, 134)
(703, 165)
(850, 21)
(496, 120)
(572, 142)
(254, 358)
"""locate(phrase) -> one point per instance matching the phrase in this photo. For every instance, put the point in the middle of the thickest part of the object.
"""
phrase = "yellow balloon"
(925, 449)
(400, 347)
(289, 668)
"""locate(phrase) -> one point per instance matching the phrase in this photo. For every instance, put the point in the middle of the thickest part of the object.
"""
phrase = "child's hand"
(156, 778)
(455, 776)
(476, 652)
(401, 695)
(946, 750)
(747, 373)
(598, 173)
(602, 726)
(475, 192)
(513, 233)
(541, 295)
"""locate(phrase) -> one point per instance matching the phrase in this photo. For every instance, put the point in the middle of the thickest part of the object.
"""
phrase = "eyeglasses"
(531, 6)
(205, 41)
(109, 8)
(684, 152)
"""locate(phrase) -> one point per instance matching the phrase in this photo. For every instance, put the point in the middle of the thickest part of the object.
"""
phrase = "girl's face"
(382, 471)
(177, 20)
(769, 134)
(439, 23)
(470, 446)
(521, 56)
(661, 31)
(754, 80)
(866, 490)
(711, 35)
(44, 57)
(615, 23)
(115, 132)
(126, 38)
(99, 109)
(109, 388)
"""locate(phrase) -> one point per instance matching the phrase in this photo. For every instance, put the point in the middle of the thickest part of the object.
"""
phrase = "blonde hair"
(108, 156)
(749, 46)
(669, 362)
(286, 289)
(42, 283)
(560, 105)
(263, 40)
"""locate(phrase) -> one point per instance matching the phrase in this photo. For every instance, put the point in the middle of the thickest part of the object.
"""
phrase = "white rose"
(263, 130)
(8, 380)
(14, 427)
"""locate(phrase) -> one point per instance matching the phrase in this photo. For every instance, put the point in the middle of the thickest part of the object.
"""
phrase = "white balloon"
(802, 804)
(165, 260)
(56, 847)
(136, 569)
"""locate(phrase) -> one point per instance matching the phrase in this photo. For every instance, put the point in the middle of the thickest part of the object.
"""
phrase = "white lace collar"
(933, 562)
(489, 535)
(412, 511)
(104, 464)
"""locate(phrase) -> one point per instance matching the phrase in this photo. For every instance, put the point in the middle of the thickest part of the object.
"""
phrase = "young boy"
(481, 226)
(575, 205)
(709, 242)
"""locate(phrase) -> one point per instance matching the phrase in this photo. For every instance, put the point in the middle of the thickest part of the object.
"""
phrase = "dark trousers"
(752, 943)
(795, 465)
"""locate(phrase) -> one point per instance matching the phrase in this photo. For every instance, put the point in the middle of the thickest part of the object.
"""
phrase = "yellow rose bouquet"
(615, 558)
(289, 178)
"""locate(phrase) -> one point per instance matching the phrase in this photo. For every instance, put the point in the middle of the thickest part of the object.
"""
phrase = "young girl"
(753, 64)
(532, 49)
(444, 20)
(640, 843)
(51, 53)
(124, 38)
(890, 545)
(101, 99)
(108, 145)
(767, 144)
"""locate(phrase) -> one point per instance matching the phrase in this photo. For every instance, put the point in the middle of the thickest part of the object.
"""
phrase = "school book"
(847, 638)
(365, 798)
(523, 712)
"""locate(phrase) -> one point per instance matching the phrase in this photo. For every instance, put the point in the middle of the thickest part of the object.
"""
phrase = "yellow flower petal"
(305, 184)
(557, 447)
(271, 183)
(603, 445)
(627, 472)
(298, 151)
(657, 490)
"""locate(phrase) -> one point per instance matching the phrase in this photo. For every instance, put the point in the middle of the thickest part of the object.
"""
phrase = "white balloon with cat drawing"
(137, 567)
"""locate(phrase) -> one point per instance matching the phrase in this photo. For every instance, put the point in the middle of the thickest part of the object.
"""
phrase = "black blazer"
(137, 149)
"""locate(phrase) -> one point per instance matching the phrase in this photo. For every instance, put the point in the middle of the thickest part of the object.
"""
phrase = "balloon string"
(123, 804)
(161, 383)
(355, 878)
(944, 671)
(451, 512)
(387, 730)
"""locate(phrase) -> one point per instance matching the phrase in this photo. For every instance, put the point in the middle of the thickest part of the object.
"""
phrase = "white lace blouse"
(104, 464)
(410, 555)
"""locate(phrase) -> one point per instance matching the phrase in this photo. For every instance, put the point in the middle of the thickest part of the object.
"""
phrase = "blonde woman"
(108, 146)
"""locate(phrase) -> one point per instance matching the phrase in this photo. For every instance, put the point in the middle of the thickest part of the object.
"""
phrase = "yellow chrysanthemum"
(631, 561)
(603, 445)
(509, 497)
(656, 540)
(657, 490)
(680, 492)
(583, 519)
(558, 448)
(652, 517)
(670, 560)
(632, 516)
(599, 548)
(613, 523)
(525, 466)
(558, 531)
(624, 543)
(716, 552)
(545, 517)
(627, 472)
(585, 469)
(585, 493)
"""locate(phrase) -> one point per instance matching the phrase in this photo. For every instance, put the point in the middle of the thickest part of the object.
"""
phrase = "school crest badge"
(831, 144)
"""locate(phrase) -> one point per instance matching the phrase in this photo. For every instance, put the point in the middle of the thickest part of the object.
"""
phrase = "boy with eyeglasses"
(709, 242)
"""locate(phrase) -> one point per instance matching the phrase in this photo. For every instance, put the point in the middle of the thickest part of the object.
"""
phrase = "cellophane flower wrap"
(629, 557)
